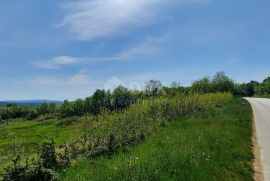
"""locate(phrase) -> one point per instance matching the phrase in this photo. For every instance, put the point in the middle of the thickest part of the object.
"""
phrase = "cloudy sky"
(65, 49)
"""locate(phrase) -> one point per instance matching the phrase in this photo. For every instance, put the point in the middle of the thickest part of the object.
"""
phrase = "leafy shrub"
(28, 171)
(218, 83)
(68, 120)
(222, 83)
(49, 116)
(1, 120)
(48, 155)
(119, 129)
(202, 85)
(42, 169)
(13, 111)
(63, 159)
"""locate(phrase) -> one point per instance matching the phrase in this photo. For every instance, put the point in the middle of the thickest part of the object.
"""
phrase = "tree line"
(121, 97)
(222, 83)
(254, 88)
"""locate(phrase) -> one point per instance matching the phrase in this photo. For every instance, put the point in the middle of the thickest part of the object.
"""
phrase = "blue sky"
(66, 49)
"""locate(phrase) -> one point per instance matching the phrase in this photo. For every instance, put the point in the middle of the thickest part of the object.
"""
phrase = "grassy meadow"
(24, 137)
(197, 137)
(213, 145)
(100, 136)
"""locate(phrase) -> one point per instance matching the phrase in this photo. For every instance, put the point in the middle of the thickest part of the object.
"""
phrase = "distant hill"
(29, 102)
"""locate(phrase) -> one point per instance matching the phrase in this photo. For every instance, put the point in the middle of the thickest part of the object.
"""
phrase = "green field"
(22, 137)
(215, 145)
(211, 144)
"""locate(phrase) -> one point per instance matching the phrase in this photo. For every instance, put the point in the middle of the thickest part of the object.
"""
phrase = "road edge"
(257, 164)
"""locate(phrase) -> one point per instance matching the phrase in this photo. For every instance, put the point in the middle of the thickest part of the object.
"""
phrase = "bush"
(43, 169)
(68, 120)
(119, 129)
(1, 120)
(45, 117)
(218, 83)
(202, 86)
(222, 83)
(48, 155)
(28, 171)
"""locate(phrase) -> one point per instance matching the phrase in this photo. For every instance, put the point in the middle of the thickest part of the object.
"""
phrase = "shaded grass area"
(262, 96)
(23, 137)
(215, 145)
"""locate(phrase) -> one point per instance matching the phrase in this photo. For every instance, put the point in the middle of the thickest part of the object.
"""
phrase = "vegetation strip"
(215, 145)
(113, 131)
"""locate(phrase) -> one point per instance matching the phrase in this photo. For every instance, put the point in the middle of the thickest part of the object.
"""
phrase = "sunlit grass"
(215, 145)
(22, 137)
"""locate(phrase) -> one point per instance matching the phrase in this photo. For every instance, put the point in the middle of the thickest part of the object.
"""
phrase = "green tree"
(44, 109)
(65, 109)
(222, 83)
(88, 105)
(100, 99)
(78, 107)
(121, 97)
(202, 85)
(153, 87)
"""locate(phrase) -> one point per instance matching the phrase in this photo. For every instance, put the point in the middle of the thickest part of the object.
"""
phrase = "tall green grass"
(214, 145)
(23, 138)
(113, 131)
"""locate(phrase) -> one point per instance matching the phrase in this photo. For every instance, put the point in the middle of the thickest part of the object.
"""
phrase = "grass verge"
(215, 145)
(262, 96)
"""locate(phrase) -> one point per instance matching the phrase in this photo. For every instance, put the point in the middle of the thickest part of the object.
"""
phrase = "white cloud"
(64, 60)
(91, 19)
(150, 46)
(56, 62)
(78, 79)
